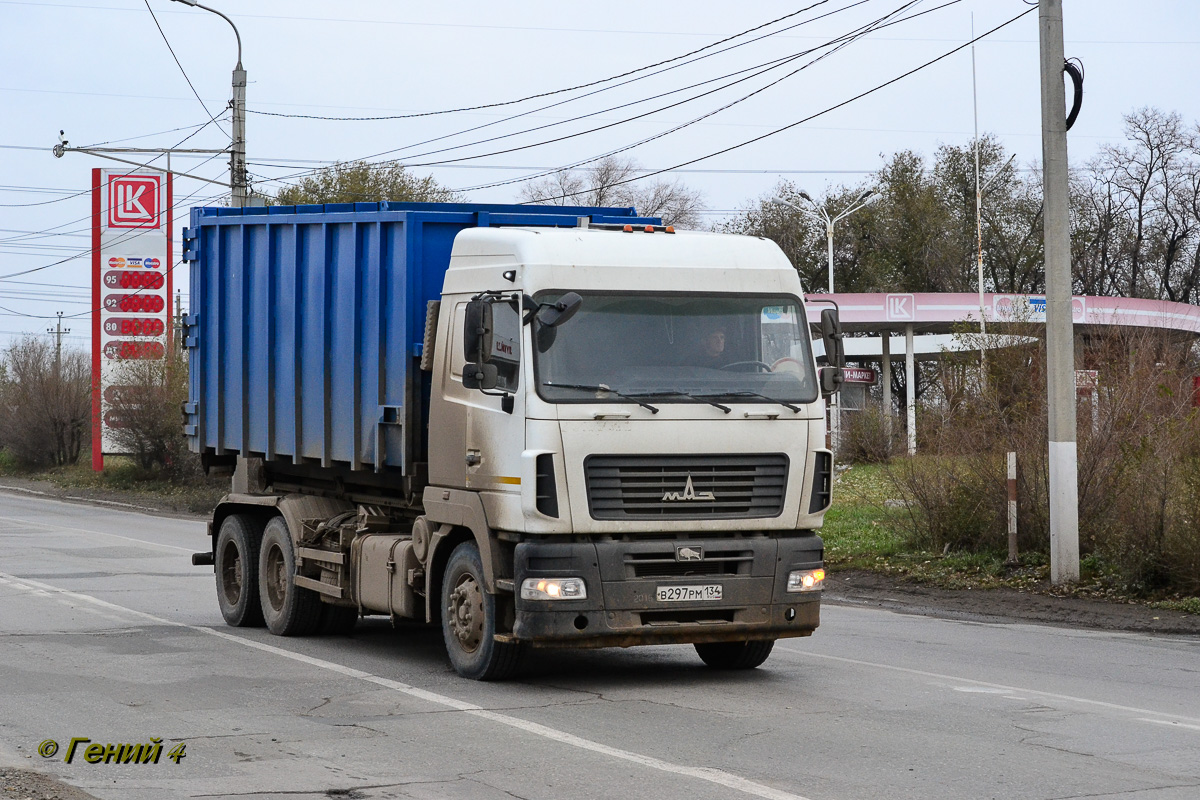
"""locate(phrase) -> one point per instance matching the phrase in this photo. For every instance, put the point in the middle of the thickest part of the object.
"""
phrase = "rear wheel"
(288, 609)
(469, 621)
(236, 563)
(735, 655)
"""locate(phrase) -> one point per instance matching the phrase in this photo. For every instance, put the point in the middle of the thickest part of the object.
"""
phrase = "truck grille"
(686, 487)
(663, 564)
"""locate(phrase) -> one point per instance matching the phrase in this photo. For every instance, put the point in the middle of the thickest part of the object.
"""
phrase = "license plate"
(683, 594)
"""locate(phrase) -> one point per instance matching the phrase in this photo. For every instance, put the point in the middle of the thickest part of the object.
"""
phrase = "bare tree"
(613, 182)
(46, 398)
(1138, 212)
(144, 402)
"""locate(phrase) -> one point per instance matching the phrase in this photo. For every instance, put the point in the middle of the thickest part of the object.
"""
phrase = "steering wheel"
(765, 367)
(788, 365)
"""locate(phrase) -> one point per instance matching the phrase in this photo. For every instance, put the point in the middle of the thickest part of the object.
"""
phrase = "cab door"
(475, 440)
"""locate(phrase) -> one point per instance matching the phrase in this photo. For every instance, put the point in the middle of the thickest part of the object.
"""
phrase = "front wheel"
(735, 655)
(469, 621)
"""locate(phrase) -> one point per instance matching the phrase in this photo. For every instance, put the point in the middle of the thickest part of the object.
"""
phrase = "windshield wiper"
(700, 397)
(602, 387)
(740, 393)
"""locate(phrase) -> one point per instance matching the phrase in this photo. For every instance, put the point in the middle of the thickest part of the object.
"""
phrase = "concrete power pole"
(238, 183)
(237, 157)
(1060, 338)
(58, 331)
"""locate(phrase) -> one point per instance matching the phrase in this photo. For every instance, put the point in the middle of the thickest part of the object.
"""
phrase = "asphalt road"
(108, 633)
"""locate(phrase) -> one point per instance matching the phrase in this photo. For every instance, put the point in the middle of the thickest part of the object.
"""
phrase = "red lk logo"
(133, 201)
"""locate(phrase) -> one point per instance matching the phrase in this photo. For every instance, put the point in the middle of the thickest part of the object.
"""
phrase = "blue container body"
(306, 325)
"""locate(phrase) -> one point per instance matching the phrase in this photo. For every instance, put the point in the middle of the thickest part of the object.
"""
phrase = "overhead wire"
(844, 42)
(167, 41)
(555, 91)
(91, 188)
(840, 41)
(589, 94)
(120, 238)
(842, 104)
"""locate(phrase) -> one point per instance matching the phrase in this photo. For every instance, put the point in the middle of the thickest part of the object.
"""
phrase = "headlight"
(806, 580)
(553, 589)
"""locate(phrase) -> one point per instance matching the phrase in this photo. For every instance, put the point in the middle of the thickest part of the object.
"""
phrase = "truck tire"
(469, 621)
(236, 559)
(337, 620)
(287, 609)
(735, 655)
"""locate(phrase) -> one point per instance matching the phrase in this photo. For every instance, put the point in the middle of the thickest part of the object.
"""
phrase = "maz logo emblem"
(685, 553)
(689, 494)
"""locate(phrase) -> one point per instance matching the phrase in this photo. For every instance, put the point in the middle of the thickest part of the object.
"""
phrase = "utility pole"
(238, 183)
(1060, 338)
(237, 157)
(58, 331)
(978, 213)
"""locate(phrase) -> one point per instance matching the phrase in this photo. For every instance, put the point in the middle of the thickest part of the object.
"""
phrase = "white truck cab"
(634, 416)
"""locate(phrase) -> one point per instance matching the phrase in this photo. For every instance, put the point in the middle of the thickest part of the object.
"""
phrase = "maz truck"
(531, 426)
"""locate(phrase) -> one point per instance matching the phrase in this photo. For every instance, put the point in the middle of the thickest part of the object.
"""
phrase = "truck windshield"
(671, 348)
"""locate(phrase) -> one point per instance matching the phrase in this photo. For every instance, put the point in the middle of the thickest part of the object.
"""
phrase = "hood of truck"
(688, 468)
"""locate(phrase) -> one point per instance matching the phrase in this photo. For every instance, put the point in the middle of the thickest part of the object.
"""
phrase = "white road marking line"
(1170, 723)
(49, 496)
(64, 601)
(97, 533)
(1164, 718)
(708, 774)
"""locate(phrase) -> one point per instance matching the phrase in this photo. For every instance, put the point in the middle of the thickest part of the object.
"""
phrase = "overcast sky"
(101, 71)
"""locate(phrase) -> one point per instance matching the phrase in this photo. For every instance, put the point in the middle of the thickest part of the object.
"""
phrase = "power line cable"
(844, 42)
(598, 91)
(842, 39)
(177, 62)
(148, 135)
(120, 238)
(555, 91)
(857, 97)
(91, 188)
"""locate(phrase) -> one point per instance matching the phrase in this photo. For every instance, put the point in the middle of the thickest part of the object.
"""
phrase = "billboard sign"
(131, 287)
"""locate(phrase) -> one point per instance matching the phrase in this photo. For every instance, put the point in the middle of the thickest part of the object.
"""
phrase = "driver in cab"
(711, 350)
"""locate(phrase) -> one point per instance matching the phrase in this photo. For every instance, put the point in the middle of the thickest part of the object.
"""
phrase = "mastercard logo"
(116, 262)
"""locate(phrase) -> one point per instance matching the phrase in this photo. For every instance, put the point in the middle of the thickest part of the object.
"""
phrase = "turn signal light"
(806, 580)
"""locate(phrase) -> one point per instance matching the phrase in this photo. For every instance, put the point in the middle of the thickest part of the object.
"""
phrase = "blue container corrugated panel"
(306, 324)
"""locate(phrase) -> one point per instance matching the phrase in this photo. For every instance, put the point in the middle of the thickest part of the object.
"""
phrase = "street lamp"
(237, 160)
(822, 215)
(835, 406)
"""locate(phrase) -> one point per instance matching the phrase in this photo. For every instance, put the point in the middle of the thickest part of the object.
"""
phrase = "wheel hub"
(276, 578)
(465, 613)
(231, 574)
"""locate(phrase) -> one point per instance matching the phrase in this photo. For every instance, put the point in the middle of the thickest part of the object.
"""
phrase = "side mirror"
(831, 380)
(552, 315)
(477, 331)
(835, 352)
(480, 376)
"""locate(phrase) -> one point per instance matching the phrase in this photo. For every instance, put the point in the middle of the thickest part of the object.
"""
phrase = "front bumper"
(622, 577)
